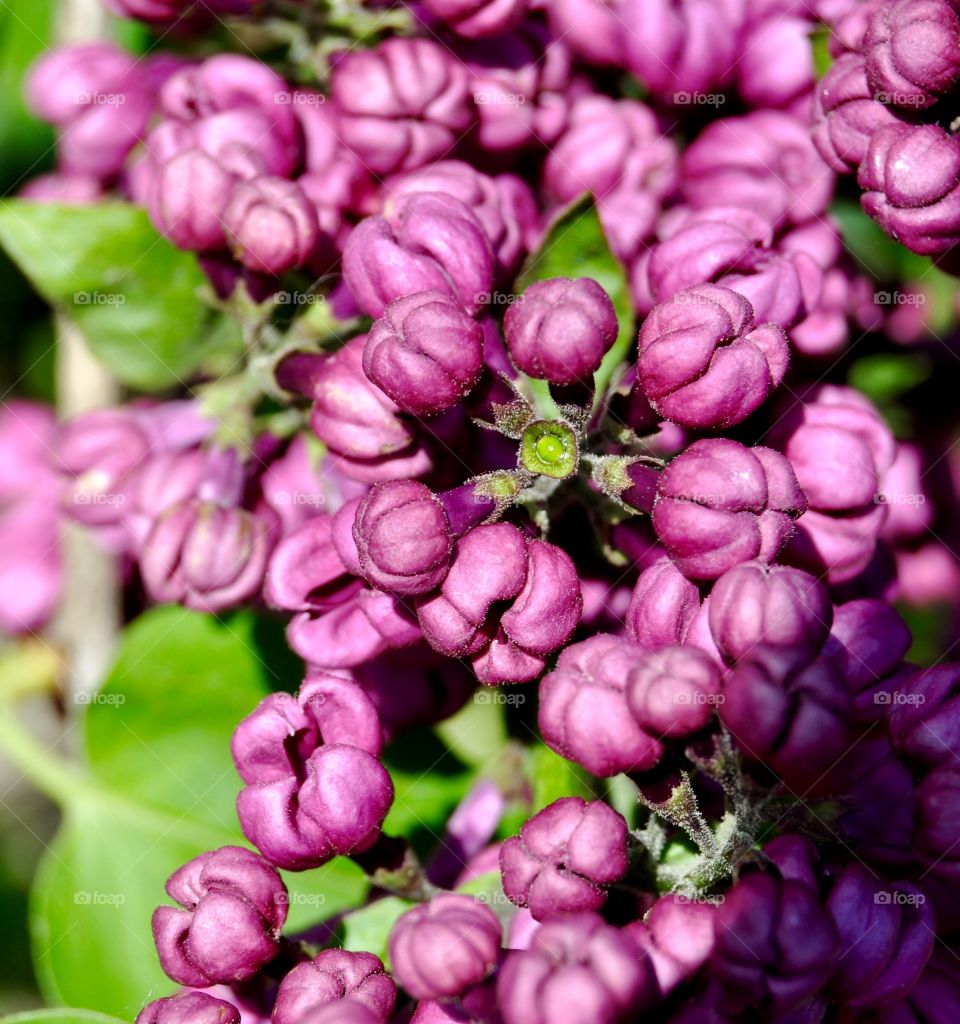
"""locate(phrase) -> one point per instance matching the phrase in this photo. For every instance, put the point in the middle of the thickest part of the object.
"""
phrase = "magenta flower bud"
(886, 930)
(775, 68)
(564, 857)
(506, 603)
(678, 936)
(475, 19)
(846, 114)
(576, 969)
(401, 104)
(776, 945)
(719, 504)
(332, 976)
(72, 189)
(937, 839)
(427, 242)
(662, 607)
(64, 82)
(205, 557)
(911, 181)
(769, 608)
(442, 948)
(160, 11)
(560, 329)
(403, 538)
(911, 52)
(923, 715)
(343, 1011)
(189, 1008)
(793, 719)
(584, 714)
(764, 161)
(270, 225)
(234, 906)
(425, 352)
(673, 691)
(702, 362)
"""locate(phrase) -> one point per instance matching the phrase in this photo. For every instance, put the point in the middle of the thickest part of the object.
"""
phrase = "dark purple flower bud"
(662, 607)
(886, 930)
(677, 935)
(401, 104)
(270, 225)
(475, 19)
(189, 1008)
(234, 906)
(846, 114)
(674, 691)
(427, 241)
(205, 557)
(160, 11)
(793, 719)
(564, 857)
(911, 181)
(770, 608)
(764, 161)
(441, 948)
(923, 715)
(719, 504)
(911, 52)
(702, 362)
(936, 842)
(776, 945)
(334, 975)
(507, 602)
(583, 711)
(576, 969)
(425, 352)
(560, 329)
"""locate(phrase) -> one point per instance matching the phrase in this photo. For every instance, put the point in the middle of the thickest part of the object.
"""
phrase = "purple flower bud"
(335, 975)
(678, 936)
(343, 1011)
(72, 189)
(189, 1008)
(64, 82)
(911, 181)
(937, 839)
(846, 114)
(560, 329)
(673, 691)
(923, 715)
(474, 19)
(775, 67)
(160, 11)
(583, 708)
(662, 607)
(507, 602)
(401, 104)
(234, 906)
(719, 504)
(425, 352)
(442, 948)
(428, 241)
(886, 930)
(911, 52)
(764, 161)
(270, 225)
(576, 969)
(782, 288)
(793, 719)
(703, 364)
(205, 557)
(564, 857)
(775, 945)
(770, 608)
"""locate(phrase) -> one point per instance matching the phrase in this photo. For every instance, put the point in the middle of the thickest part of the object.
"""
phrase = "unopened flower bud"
(270, 225)
(189, 1008)
(332, 976)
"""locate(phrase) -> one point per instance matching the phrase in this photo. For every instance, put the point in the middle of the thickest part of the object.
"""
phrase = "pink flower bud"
(662, 607)
(270, 225)
(189, 1008)
(332, 976)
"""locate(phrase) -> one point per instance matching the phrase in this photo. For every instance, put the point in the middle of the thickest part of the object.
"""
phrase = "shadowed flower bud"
(576, 969)
(189, 1008)
(936, 842)
(662, 607)
(428, 241)
(441, 948)
(564, 857)
(677, 935)
(234, 906)
(332, 976)
(401, 104)
(775, 945)
(923, 716)
(703, 364)
(507, 602)
(560, 329)
(205, 557)
(673, 691)
(270, 225)
(719, 504)
(475, 19)
(425, 352)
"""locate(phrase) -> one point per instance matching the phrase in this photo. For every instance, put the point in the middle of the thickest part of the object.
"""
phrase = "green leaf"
(554, 776)
(368, 929)
(575, 246)
(888, 375)
(136, 298)
(160, 789)
(62, 1016)
(876, 252)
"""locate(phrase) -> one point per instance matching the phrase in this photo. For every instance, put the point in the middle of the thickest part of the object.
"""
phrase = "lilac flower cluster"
(664, 525)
